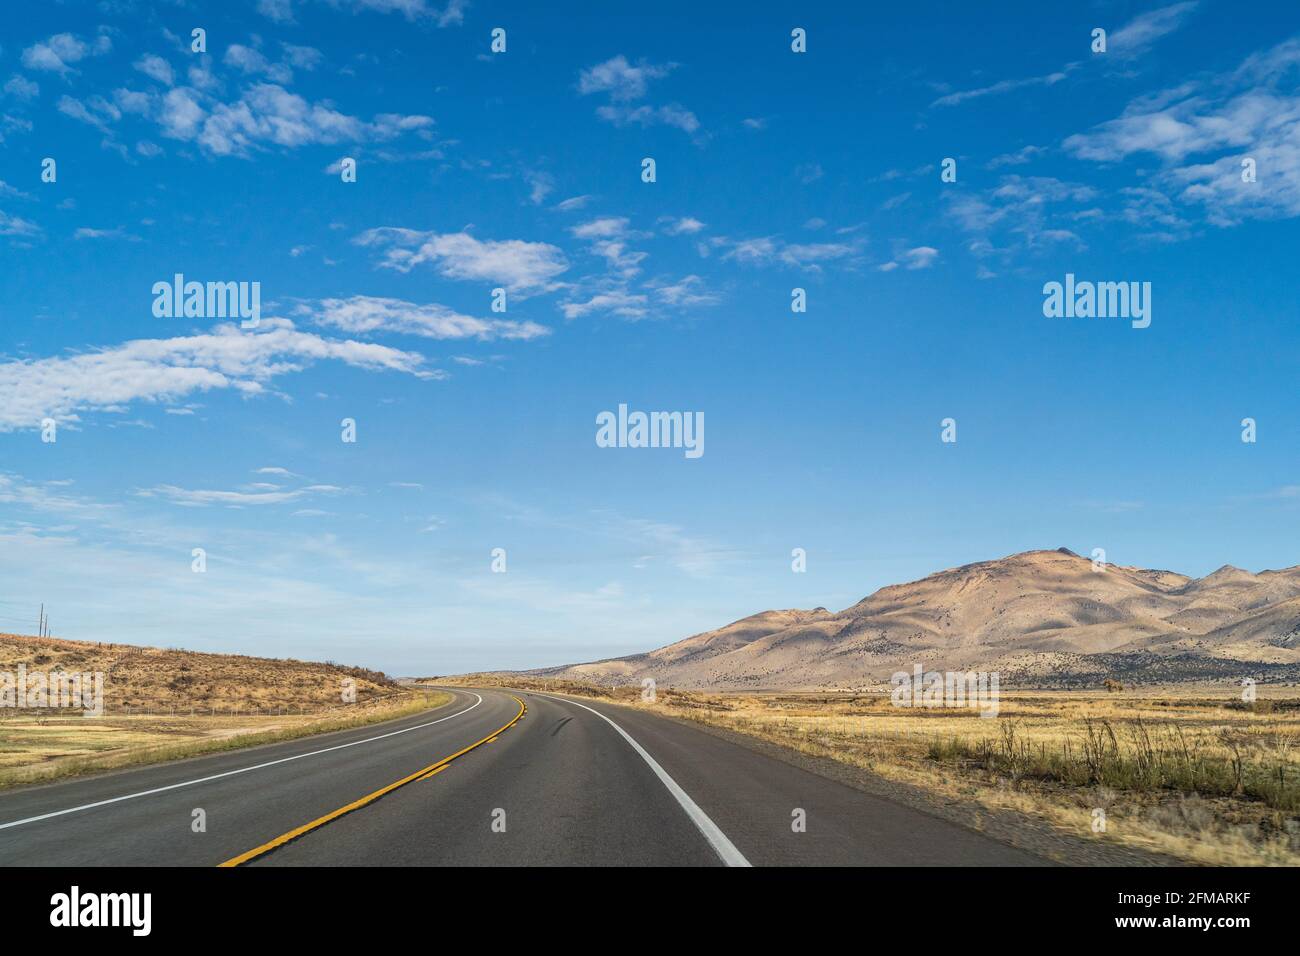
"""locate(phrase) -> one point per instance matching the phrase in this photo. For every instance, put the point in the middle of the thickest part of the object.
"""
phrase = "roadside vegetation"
(1188, 771)
(162, 705)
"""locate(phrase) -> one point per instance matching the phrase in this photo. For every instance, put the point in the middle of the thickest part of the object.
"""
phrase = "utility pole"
(40, 624)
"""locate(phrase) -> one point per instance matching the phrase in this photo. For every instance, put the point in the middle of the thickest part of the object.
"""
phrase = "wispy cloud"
(620, 79)
(119, 232)
(1142, 31)
(451, 13)
(1021, 214)
(166, 370)
(1128, 41)
(513, 263)
(364, 314)
(919, 257)
(624, 83)
(772, 250)
(197, 498)
(1005, 86)
(1219, 122)
(59, 52)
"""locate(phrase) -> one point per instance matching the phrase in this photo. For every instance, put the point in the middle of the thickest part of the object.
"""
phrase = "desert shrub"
(1137, 756)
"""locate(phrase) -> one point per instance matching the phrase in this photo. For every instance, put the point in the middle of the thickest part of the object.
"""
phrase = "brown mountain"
(1041, 617)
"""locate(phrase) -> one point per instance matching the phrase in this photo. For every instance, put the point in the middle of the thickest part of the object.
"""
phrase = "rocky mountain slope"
(1047, 618)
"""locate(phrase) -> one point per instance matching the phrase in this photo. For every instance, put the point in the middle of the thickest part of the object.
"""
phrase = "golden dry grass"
(1190, 772)
(52, 748)
(165, 704)
(157, 679)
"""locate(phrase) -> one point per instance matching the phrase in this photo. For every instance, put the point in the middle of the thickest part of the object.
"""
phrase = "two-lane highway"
(494, 778)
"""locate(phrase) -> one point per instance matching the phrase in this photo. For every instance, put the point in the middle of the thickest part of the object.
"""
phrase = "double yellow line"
(427, 772)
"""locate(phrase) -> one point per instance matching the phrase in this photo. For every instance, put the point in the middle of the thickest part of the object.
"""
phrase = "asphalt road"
(568, 783)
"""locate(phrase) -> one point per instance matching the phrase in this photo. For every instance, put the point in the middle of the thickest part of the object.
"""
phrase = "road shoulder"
(1006, 826)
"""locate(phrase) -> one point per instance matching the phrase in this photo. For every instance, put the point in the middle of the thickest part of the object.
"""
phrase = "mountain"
(1040, 617)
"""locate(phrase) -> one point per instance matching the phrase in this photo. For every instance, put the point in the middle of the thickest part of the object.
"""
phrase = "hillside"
(152, 678)
(1040, 617)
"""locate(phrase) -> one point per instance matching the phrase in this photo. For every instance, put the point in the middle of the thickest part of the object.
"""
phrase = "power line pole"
(40, 625)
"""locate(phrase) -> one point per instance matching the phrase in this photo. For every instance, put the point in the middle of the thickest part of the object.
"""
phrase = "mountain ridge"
(1045, 617)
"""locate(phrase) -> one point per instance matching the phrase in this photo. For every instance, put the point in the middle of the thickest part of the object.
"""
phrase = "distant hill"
(154, 678)
(1040, 617)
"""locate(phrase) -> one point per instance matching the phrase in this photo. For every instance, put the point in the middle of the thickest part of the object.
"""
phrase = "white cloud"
(156, 68)
(542, 185)
(302, 57)
(22, 88)
(268, 113)
(688, 291)
(96, 111)
(644, 115)
(181, 116)
(45, 496)
(451, 13)
(513, 263)
(1128, 41)
(573, 202)
(1252, 112)
(1145, 29)
(57, 53)
(620, 79)
(136, 103)
(609, 237)
(250, 61)
(281, 11)
(685, 226)
(363, 314)
(921, 257)
(1021, 156)
(17, 226)
(624, 83)
(1022, 213)
(166, 370)
(86, 232)
(1005, 86)
(769, 250)
(615, 295)
(603, 228)
(620, 302)
(201, 498)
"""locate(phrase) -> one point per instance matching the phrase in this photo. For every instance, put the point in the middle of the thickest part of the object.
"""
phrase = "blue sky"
(522, 170)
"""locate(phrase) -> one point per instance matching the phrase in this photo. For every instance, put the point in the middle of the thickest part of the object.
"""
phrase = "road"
(534, 780)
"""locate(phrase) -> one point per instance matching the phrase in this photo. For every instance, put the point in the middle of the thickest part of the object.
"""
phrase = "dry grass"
(54, 748)
(165, 704)
(154, 679)
(1190, 772)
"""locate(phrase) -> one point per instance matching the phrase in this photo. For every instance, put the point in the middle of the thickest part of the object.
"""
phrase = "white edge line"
(231, 773)
(717, 839)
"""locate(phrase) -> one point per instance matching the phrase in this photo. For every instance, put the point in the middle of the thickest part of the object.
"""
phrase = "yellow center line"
(370, 797)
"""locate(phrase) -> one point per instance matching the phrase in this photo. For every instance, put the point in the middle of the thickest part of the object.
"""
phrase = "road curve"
(571, 783)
